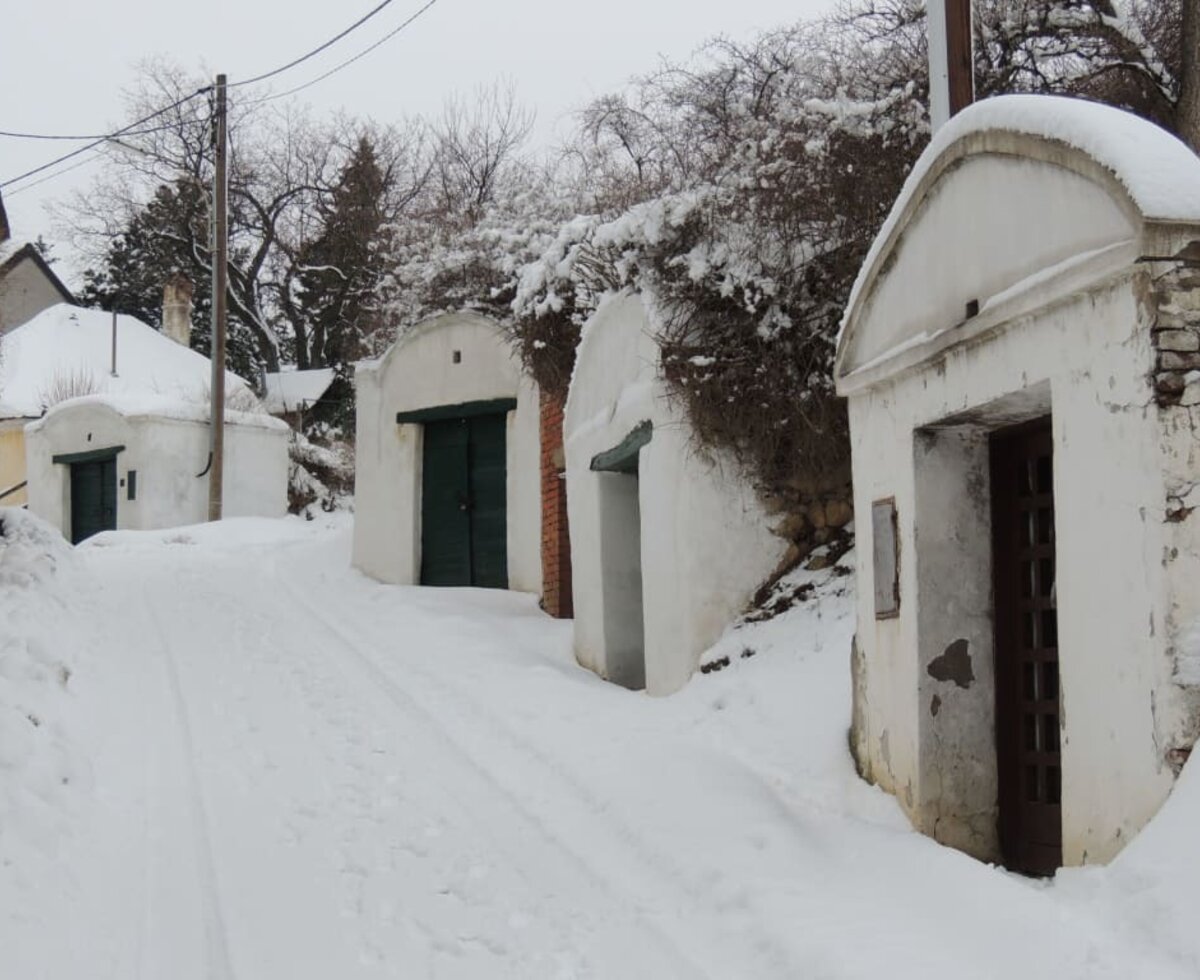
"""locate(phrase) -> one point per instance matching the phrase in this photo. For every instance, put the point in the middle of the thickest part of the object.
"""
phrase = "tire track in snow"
(587, 804)
(388, 686)
(218, 965)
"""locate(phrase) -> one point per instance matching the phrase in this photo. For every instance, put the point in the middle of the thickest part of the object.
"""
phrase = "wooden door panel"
(445, 503)
(489, 502)
(1028, 717)
(93, 498)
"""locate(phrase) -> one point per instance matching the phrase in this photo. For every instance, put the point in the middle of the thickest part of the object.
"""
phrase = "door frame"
(464, 412)
(87, 458)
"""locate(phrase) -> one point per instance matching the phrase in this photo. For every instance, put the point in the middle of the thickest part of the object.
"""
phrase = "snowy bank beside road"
(42, 765)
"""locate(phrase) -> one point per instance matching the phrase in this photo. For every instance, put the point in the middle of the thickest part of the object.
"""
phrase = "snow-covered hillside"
(252, 762)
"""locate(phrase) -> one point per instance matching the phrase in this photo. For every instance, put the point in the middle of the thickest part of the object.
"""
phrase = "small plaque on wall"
(886, 558)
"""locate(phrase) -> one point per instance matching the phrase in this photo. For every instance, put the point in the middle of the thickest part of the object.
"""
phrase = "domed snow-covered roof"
(67, 350)
(1012, 193)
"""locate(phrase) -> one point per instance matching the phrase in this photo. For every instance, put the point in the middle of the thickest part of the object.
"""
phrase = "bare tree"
(284, 168)
(478, 144)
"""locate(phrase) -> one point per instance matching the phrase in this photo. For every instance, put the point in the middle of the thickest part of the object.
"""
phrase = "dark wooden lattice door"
(1027, 683)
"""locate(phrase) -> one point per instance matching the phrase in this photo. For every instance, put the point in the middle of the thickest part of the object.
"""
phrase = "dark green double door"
(464, 512)
(93, 498)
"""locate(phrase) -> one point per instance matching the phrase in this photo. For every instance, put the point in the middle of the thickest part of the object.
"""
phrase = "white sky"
(63, 63)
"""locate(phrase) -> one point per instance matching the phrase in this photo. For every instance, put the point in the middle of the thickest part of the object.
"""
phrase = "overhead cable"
(104, 139)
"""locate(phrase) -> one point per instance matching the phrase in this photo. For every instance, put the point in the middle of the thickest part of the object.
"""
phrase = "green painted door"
(464, 522)
(445, 518)
(489, 502)
(93, 498)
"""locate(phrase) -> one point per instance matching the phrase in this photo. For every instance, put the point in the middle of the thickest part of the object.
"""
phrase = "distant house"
(1021, 357)
(447, 480)
(667, 546)
(295, 395)
(135, 461)
(86, 399)
(27, 285)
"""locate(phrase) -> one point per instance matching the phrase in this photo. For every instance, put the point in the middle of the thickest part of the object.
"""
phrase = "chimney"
(177, 309)
(5, 231)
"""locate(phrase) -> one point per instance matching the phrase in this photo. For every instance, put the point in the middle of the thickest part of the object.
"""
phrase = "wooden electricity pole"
(951, 60)
(220, 269)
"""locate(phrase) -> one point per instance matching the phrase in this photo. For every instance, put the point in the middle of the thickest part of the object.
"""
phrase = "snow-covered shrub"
(319, 476)
(67, 383)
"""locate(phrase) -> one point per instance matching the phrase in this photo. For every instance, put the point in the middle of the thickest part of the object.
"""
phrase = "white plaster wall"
(420, 372)
(24, 293)
(1025, 216)
(167, 455)
(1111, 584)
(705, 541)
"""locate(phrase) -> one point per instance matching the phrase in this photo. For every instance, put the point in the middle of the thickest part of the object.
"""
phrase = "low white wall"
(167, 454)
(706, 544)
(420, 372)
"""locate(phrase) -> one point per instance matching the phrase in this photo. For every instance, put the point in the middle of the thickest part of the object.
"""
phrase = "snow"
(1160, 173)
(289, 390)
(139, 404)
(298, 772)
(67, 350)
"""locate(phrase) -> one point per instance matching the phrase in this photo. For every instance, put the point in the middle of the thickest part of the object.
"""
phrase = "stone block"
(1171, 361)
(1169, 383)
(1182, 341)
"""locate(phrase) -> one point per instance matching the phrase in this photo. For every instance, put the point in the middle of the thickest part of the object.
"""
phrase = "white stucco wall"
(705, 541)
(420, 372)
(167, 454)
(1072, 344)
(24, 293)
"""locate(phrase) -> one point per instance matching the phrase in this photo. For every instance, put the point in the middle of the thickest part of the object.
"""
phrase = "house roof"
(67, 350)
(9, 260)
(288, 391)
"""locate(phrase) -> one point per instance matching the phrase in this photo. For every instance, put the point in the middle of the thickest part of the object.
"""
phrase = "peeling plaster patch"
(954, 665)
(885, 750)
(935, 705)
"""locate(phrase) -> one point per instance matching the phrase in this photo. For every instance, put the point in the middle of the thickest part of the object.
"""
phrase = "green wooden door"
(445, 502)
(464, 516)
(489, 502)
(93, 498)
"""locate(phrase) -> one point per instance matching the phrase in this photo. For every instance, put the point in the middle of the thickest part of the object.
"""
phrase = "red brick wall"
(556, 536)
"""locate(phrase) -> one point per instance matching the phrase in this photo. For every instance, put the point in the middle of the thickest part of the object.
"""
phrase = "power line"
(57, 173)
(349, 61)
(90, 136)
(104, 139)
(128, 130)
(315, 51)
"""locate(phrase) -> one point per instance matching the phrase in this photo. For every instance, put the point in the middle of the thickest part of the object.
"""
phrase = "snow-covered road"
(293, 772)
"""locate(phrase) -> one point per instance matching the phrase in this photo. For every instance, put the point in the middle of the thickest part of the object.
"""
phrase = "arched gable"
(1016, 199)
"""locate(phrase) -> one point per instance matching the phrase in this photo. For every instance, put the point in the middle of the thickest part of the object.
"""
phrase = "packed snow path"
(298, 773)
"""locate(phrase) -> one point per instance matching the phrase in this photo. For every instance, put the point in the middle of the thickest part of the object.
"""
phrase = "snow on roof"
(1159, 172)
(139, 405)
(290, 390)
(68, 350)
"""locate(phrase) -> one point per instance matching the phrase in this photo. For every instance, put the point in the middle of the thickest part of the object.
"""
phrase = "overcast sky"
(63, 63)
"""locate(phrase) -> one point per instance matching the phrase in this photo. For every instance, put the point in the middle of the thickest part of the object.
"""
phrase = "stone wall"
(1176, 336)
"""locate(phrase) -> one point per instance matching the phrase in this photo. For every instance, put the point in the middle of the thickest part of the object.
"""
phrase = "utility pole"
(220, 268)
(951, 60)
